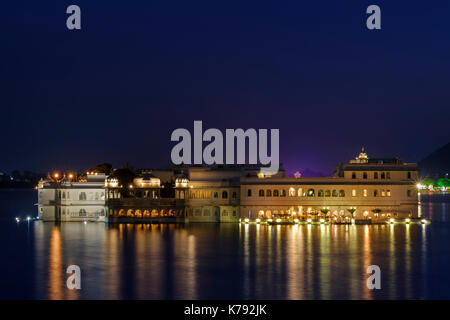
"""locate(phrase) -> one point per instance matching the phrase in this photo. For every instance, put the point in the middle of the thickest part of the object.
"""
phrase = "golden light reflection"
(247, 260)
(111, 243)
(367, 261)
(295, 268)
(55, 281)
(408, 253)
(325, 262)
(392, 260)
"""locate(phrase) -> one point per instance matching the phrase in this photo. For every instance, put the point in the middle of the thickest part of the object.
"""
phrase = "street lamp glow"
(309, 220)
(278, 220)
(407, 220)
(391, 220)
(246, 220)
(258, 220)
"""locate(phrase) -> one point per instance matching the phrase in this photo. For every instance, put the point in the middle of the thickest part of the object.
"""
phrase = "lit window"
(291, 192)
(383, 193)
(282, 193)
(365, 192)
(388, 193)
(354, 193)
(311, 193)
(299, 192)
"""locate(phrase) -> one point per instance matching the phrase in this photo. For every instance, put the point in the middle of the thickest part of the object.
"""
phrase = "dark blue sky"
(115, 90)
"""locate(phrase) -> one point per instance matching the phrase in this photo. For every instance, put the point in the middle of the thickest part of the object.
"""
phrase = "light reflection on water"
(220, 261)
(228, 261)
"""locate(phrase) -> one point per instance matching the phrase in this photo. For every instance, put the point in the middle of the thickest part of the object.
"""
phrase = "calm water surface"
(221, 261)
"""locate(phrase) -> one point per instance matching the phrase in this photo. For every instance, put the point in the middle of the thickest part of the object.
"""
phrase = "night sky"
(115, 90)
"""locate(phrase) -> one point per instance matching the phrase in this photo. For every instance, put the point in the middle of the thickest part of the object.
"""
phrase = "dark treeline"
(17, 179)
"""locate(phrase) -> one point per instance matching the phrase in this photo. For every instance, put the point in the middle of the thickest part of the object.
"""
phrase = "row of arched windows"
(274, 193)
(300, 193)
(206, 194)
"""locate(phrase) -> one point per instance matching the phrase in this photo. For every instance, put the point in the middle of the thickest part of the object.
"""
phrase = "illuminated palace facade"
(361, 189)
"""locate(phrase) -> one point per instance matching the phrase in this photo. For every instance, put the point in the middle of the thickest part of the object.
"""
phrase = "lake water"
(221, 261)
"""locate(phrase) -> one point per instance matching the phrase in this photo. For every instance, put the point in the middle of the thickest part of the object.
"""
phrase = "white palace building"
(363, 189)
